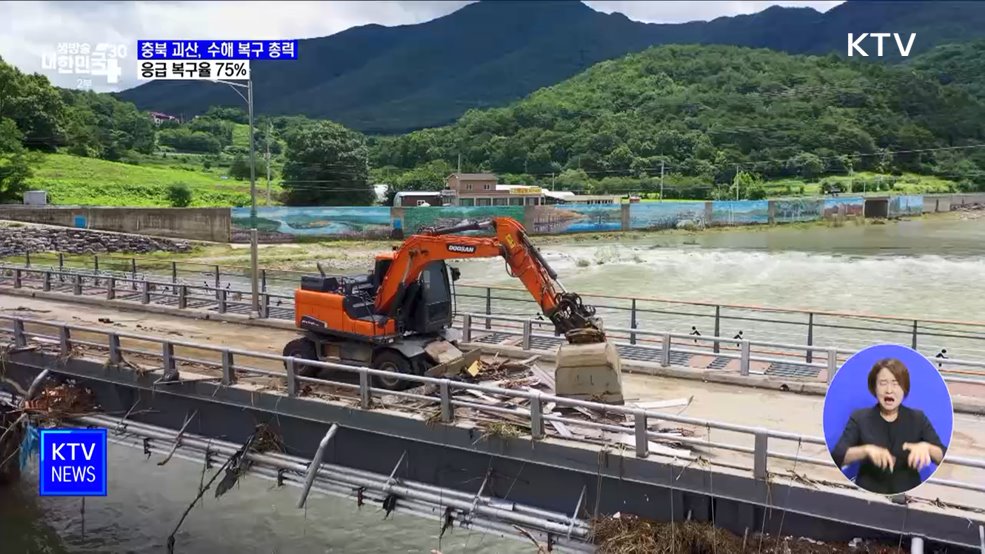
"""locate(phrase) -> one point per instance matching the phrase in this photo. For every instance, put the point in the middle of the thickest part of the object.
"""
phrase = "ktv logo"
(855, 43)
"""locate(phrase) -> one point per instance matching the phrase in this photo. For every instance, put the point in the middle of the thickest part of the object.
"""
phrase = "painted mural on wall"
(576, 218)
(415, 219)
(797, 209)
(666, 215)
(843, 207)
(367, 222)
(740, 212)
(905, 205)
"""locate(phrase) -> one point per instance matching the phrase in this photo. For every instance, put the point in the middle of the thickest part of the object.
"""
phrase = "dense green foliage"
(326, 165)
(179, 195)
(703, 110)
(15, 167)
(960, 64)
(487, 54)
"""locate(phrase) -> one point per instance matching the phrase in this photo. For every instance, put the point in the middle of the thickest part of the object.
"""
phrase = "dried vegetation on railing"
(629, 534)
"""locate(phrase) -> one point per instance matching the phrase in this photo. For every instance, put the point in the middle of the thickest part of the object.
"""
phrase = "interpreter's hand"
(880, 457)
(919, 456)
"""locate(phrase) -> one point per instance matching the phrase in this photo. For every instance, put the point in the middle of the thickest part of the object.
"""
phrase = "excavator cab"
(426, 306)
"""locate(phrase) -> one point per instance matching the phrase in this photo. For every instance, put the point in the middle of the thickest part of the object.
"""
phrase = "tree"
(240, 168)
(179, 195)
(326, 165)
(15, 162)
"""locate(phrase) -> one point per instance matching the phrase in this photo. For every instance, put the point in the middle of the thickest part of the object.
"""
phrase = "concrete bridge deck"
(799, 414)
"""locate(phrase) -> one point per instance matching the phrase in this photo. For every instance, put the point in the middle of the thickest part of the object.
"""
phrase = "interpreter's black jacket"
(866, 426)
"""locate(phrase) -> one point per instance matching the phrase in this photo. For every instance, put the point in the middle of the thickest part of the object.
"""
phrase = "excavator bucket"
(589, 371)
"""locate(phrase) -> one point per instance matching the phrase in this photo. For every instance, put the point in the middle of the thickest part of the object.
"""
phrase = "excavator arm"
(565, 309)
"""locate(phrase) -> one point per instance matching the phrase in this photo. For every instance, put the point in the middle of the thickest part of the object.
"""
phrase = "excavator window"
(432, 309)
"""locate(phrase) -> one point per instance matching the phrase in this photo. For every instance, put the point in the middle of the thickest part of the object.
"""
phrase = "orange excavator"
(398, 317)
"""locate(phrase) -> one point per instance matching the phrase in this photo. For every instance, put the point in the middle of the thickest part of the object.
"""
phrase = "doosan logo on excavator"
(461, 248)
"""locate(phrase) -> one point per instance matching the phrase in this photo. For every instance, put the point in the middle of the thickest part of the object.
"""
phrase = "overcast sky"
(29, 29)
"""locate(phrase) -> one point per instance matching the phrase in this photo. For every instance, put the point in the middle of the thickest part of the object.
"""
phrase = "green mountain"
(700, 110)
(394, 79)
(961, 65)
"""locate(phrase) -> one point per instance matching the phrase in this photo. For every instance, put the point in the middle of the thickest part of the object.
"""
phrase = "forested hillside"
(701, 110)
(960, 65)
(387, 80)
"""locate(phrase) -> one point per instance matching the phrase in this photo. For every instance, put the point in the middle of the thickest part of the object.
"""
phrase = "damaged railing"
(541, 410)
(647, 345)
(965, 339)
(665, 345)
(455, 508)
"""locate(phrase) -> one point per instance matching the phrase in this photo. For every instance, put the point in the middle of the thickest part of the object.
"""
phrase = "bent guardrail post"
(665, 351)
(316, 462)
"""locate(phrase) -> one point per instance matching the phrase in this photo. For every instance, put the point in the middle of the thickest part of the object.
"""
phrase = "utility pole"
(459, 163)
(552, 181)
(254, 284)
(661, 180)
(269, 125)
(254, 271)
(737, 182)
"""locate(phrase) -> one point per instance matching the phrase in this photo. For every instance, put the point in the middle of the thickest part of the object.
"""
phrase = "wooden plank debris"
(561, 429)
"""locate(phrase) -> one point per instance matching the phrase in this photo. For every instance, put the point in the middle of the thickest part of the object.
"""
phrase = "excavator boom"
(566, 310)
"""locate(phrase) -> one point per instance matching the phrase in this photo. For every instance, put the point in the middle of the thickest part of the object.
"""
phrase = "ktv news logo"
(855, 43)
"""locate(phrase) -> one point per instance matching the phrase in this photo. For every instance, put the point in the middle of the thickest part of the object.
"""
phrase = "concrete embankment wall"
(376, 222)
(211, 224)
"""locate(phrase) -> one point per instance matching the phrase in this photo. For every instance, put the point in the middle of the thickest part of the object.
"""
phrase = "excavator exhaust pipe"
(588, 371)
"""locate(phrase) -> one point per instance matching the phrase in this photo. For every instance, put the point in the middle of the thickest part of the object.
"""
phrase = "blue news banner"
(217, 49)
(72, 462)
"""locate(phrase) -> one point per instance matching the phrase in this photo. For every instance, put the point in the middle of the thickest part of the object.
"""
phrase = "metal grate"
(491, 338)
(719, 362)
(783, 369)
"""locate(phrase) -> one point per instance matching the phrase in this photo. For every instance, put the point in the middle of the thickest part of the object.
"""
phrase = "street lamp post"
(254, 272)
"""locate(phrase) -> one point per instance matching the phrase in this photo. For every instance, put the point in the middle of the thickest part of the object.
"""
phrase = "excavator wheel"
(305, 349)
(391, 360)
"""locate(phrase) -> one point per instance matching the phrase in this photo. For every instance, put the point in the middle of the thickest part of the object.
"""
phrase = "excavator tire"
(391, 360)
(305, 349)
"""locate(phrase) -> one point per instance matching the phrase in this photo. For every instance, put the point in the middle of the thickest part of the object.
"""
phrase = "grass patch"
(89, 181)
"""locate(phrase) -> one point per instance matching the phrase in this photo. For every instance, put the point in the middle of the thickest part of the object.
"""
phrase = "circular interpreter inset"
(888, 419)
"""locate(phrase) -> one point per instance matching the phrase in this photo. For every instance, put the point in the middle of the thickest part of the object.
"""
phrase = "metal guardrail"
(667, 344)
(933, 337)
(535, 416)
(793, 361)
